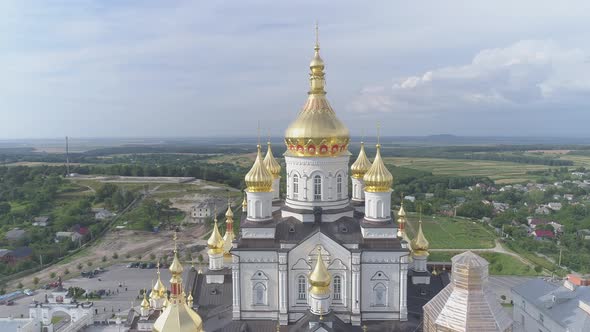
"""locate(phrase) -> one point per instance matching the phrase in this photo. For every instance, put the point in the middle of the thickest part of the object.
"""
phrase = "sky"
(174, 68)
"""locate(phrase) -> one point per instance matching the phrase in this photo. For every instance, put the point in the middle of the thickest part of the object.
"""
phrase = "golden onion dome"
(176, 267)
(319, 278)
(361, 165)
(244, 203)
(215, 242)
(271, 163)
(259, 178)
(159, 290)
(229, 214)
(189, 299)
(317, 132)
(145, 304)
(419, 243)
(378, 178)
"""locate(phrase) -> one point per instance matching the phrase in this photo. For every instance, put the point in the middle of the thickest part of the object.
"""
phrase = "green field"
(452, 233)
(500, 264)
(499, 171)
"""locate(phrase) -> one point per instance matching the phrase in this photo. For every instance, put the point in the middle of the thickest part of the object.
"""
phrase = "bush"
(538, 268)
(79, 266)
(115, 256)
(52, 275)
(66, 271)
(89, 263)
(127, 255)
(152, 256)
(20, 285)
(36, 281)
(104, 258)
(499, 267)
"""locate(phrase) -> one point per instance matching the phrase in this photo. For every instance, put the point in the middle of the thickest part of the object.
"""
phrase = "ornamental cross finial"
(378, 133)
(317, 36)
(175, 241)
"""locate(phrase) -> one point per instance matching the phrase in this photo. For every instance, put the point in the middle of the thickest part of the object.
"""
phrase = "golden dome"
(215, 242)
(361, 165)
(228, 237)
(319, 278)
(189, 299)
(176, 267)
(244, 203)
(401, 214)
(419, 243)
(178, 317)
(159, 290)
(317, 131)
(271, 163)
(259, 178)
(145, 303)
(378, 178)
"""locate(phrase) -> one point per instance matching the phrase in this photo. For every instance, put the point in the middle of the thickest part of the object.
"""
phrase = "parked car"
(11, 302)
(151, 266)
(28, 292)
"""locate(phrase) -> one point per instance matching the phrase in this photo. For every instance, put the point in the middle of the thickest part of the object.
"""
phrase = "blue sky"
(207, 68)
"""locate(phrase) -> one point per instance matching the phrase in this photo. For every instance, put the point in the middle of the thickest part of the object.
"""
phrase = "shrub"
(538, 268)
(52, 275)
(36, 281)
(66, 271)
(104, 258)
(115, 256)
(89, 263)
(79, 266)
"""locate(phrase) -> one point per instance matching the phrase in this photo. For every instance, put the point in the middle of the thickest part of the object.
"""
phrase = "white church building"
(317, 259)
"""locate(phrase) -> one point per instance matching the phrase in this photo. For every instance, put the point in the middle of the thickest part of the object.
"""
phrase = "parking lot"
(123, 284)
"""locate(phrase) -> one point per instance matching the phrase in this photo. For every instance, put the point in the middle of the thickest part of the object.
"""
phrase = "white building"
(543, 306)
(317, 258)
(201, 211)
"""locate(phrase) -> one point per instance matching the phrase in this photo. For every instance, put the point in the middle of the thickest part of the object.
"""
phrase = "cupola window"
(295, 186)
(339, 186)
(317, 188)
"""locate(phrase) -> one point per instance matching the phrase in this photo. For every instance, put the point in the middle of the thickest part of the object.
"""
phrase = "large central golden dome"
(317, 131)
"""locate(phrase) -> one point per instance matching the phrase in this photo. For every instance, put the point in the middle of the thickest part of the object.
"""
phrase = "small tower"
(159, 293)
(144, 310)
(178, 315)
(259, 181)
(215, 252)
(229, 236)
(358, 170)
(401, 223)
(420, 254)
(275, 169)
(378, 181)
(319, 293)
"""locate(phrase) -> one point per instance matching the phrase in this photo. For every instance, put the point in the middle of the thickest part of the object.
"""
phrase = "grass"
(500, 264)
(452, 233)
(499, 171)
(56, 319)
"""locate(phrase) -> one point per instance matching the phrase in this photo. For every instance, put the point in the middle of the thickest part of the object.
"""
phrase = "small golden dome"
(319, 278)
(259, 178)
(176, 267)
(378, 178)
(145, 304)
(419, 243)
(271, 163)
(244, 203)
(229, 214)
(317, 132)
(215, 242)
(166, 303)
(159, 290)
(361, 165)
(401, 214)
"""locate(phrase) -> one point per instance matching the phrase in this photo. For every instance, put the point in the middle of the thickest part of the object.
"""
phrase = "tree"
(36, 281)
(89, 263)
(104, 258)
(499, 267)
(66, 271)
(503, 297)
(4, 208)
(538, 268)
(115, 255)
(52, 275)
(20, 285)
(79, 266)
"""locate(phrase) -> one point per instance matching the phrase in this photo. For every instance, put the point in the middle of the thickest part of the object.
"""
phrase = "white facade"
(378, 206)
(317, 182)
(259, 206)
(358, 189)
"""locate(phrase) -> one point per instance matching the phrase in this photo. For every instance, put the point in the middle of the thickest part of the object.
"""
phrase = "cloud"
(526, 75)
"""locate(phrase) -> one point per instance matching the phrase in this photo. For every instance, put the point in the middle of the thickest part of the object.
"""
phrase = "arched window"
(317, 188)
(257, 209)
(339, 186)
(380, 295)
(379, 209)
(337, 288)
(259, 294)
(301, 288)
(295, 186)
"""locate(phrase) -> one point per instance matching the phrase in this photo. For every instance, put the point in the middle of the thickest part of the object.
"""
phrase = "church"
(318, 259)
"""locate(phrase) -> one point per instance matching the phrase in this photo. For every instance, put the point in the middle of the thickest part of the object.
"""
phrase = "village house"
(15, 234)
(557, 227)
(15, 256)
(410, 198)
(568, 197)
(534, 222)
(542, 209)
(42, 221)
(555, 206)
(542, 234)
(74, 236)
(102, 214)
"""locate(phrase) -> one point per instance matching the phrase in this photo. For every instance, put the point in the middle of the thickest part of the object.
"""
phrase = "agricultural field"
(499, 171)
(452, 233)
(500, 264)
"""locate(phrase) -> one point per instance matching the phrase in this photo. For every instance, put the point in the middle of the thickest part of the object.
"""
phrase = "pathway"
(498, 249)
